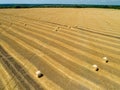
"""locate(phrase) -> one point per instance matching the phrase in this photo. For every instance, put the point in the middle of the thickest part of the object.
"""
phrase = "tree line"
(57, 6)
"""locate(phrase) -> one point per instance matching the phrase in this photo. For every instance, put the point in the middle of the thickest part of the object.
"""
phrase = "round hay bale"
(105, 59)
(39, 74)
(69, 27)
(56, 29)
(95, 67)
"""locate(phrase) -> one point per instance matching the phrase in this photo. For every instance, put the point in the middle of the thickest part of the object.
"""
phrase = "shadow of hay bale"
(25, 24)
(106, 61)
(97, 69)
(40, 75)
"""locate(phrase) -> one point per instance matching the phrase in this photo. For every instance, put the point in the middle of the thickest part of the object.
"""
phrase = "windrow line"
(54, 64)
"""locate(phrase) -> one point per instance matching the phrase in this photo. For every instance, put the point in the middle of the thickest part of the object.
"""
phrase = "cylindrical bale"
(69, 27)
(56, 29)
(95, 67)
(39, 74)
(105, 59)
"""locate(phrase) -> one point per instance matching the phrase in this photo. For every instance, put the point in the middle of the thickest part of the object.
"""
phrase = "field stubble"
(64, 51)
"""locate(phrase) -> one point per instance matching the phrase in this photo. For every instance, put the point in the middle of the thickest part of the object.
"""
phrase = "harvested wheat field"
(65, 44)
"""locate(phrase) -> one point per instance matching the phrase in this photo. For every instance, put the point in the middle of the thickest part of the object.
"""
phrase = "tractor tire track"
(14, 67)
